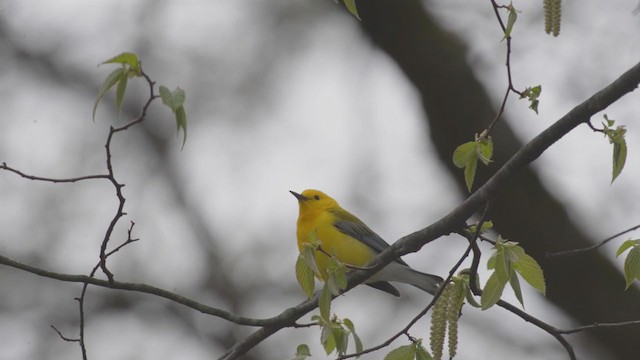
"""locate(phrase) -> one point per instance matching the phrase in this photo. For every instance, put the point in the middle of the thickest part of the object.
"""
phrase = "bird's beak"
(300, 197)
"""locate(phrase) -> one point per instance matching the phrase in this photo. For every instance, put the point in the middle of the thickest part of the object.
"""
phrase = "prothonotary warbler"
(352, 242)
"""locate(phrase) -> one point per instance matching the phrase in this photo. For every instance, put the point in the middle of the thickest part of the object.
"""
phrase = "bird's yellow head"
(314, 201)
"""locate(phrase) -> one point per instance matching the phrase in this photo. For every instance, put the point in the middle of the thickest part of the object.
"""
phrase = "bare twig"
(4, 166)
(599, 326)
(62, 336)
(148, 289)
(595, 246)
(510, 87)
(118, 187)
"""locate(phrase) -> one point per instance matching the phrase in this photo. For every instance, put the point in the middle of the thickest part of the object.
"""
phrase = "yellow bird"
(352, 242)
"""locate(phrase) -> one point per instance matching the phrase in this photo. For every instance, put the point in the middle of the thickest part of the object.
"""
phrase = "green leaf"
(302, 352)
(352, 329)
(502, 266)
(126, 58)
(305, 276)
(515, 285)
(173, 99)
(491, 263)
(181, 121)
(324, 303)
(619, 155)
(632, 266)
(485, 226)
(463, 154)
(308, 253)
(531, 272)
(512, 251)
(405, 352)
(610, 122)
(484, 150)
(422, 354)
(120, 89)
(511, 20)
(111, 80)
(492, 291)
(351, 6)
(340, 337)
(626, 245)
(470, 172)
(327, 340)
(532, 93)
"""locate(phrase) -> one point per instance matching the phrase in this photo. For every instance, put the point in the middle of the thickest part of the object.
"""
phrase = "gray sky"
(281, 95)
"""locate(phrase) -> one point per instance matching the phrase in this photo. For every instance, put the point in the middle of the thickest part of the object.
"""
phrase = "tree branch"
(301, 309)
(455, 220)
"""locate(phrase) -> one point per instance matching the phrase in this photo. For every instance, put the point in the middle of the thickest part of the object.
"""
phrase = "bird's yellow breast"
(332, 241)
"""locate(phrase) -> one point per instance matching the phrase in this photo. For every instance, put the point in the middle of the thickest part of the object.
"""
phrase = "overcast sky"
(281, 95)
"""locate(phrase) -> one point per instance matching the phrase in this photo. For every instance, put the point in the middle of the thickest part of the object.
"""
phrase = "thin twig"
(510, 87)
(599, 326)
(4, 166)
(62, 336)
(111, 176)
(593, 247)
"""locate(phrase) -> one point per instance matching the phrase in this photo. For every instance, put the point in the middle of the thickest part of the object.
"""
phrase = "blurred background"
(287, 95)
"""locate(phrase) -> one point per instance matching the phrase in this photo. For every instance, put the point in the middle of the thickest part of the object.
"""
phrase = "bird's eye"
(317, 197)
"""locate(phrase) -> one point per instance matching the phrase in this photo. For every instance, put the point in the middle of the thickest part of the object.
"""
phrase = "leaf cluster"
(508, 260)
(631, 262)
(616, 137)
(467, 155)
(131, 67)
(413, 351)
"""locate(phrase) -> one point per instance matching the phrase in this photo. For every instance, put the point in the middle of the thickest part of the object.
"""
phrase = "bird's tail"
(401, 273)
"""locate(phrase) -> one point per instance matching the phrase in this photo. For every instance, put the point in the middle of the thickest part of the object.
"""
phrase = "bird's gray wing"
(358, 230)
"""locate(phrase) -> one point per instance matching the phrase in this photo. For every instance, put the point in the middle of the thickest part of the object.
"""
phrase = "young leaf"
(632, 266)
(181, 121)
(491, 263)
(502, 266)
(470, 172)
(405, 352)
(342, 339)
(120, 89)
(305, 277)
(626, 245)
(484, 149)
(511, 20)
(351, 6)
(111, 80)
(515, 285)
(352, 329)
(324, 303)
(492, 291)
(532, 93)
(174, 100)
(463, 154)
(308, 253)
(126, 58)
(302, 352)
(422, 354)
(326, 339)
(531, 272)
(619, 154)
